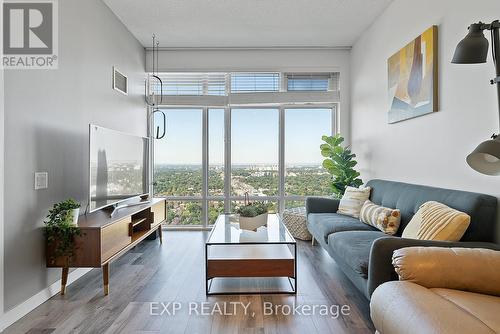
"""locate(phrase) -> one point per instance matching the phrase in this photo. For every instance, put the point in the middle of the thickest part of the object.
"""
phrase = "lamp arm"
(495, 49)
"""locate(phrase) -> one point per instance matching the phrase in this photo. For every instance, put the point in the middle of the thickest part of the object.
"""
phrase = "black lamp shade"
(473, 49)
(486, 157)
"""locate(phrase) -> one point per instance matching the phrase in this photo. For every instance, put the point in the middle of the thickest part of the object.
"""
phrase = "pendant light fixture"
(153, 81)
(153, 90)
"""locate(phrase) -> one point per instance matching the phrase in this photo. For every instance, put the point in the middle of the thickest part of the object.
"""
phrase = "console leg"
(64, 280)
(105, 278)
(312, 241)
(160, 234)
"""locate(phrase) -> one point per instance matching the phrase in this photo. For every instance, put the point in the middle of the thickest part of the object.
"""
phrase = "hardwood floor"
(174, 272)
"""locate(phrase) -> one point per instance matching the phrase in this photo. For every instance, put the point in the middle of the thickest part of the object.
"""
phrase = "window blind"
(255, 82)
(318, 82)
(192, 84)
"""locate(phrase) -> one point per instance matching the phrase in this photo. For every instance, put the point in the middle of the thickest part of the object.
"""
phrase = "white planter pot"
(75, 213)
(253, 223)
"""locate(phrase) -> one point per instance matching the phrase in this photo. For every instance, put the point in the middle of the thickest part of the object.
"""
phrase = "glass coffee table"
(269, 252)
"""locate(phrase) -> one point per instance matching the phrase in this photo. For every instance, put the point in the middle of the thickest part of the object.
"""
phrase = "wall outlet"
(41, 180)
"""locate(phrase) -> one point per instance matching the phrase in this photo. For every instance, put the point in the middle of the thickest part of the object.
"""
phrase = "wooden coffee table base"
(251, 260)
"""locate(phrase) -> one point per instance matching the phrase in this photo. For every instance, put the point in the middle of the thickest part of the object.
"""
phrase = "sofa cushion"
(436, 267)
(405, 307)
(354, 248)
(321, 225)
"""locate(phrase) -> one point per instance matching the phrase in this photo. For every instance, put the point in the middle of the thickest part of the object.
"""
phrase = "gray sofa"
(364, 253)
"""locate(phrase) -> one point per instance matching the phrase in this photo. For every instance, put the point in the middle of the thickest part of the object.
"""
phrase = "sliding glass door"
(211, 157)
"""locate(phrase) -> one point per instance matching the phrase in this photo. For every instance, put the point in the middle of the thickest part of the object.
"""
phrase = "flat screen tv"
(118, 167)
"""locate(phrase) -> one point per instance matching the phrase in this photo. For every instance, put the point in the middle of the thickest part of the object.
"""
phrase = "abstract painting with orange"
(413, 78)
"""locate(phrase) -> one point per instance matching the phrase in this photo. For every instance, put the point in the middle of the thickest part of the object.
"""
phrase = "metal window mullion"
(150, 129)
(227, 159)
(335, 119)
(204, 191)
(281, 161)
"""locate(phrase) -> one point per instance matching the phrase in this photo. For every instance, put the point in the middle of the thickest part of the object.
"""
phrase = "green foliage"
(253, 209)
(340, 164)
(59, 229)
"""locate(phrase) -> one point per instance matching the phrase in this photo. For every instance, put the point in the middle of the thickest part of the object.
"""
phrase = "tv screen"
(118, 167)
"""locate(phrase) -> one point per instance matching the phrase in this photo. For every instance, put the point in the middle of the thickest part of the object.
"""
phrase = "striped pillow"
(352, 201)
(385, 219)
(436, 221)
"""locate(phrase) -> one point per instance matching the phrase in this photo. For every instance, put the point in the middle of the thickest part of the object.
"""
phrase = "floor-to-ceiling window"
(304, 175)
(178, 166)
(212, 156)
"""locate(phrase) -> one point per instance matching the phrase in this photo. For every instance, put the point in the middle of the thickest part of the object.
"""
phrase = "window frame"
(281, 198)
(282, 101)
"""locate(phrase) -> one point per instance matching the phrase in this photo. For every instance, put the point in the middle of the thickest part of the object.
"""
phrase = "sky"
(254, 136)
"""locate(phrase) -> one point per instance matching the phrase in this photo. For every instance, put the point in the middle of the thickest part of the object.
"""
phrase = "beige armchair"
(441, 290)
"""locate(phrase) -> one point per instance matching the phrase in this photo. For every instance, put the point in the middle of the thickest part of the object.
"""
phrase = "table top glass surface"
(226, 230)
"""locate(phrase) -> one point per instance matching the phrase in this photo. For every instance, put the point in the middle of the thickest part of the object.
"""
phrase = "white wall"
(47, 113)
(430, 149)
(255, 60)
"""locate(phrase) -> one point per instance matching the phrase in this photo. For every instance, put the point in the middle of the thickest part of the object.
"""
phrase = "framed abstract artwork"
(413, 78)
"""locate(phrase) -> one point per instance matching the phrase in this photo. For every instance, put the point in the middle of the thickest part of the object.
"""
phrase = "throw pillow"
(436, 221)
(353, 200)
(385, 219)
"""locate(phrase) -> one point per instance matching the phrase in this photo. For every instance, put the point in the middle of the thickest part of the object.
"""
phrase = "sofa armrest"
(321, 205)
(380, 268)
(466, 269)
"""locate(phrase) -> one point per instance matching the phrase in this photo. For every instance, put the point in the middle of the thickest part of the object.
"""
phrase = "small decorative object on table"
(295, 221)
(252, 215)
(61, 228)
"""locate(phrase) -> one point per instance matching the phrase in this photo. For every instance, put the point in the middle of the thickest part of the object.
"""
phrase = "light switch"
(41, 180)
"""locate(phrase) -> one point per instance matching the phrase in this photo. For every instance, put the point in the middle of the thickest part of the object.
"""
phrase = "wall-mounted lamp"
(473, 49)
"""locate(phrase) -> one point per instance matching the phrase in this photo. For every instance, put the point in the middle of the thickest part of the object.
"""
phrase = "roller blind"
(317, 82)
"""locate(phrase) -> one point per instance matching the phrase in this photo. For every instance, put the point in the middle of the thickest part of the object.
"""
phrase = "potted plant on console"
(252, 215)
(61, 229)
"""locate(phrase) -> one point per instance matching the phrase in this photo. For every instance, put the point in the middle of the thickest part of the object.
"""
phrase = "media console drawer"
(114, 238)
(158, 212)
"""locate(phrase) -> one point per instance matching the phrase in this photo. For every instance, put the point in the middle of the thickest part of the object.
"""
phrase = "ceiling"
(248, 23)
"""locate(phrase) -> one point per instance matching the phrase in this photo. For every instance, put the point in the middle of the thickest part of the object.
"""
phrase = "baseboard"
(13, 315)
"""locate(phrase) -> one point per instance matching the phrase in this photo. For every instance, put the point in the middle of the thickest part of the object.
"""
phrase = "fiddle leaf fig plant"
(340, 164)
(60, 231)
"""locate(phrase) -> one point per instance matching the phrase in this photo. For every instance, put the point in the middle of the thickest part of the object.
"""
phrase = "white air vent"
(120, 81)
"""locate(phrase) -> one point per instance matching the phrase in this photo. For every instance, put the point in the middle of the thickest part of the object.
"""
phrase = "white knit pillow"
(353, 200)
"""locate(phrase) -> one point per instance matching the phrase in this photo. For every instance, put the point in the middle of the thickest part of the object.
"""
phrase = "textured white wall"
(430, 149)
(47, 113)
